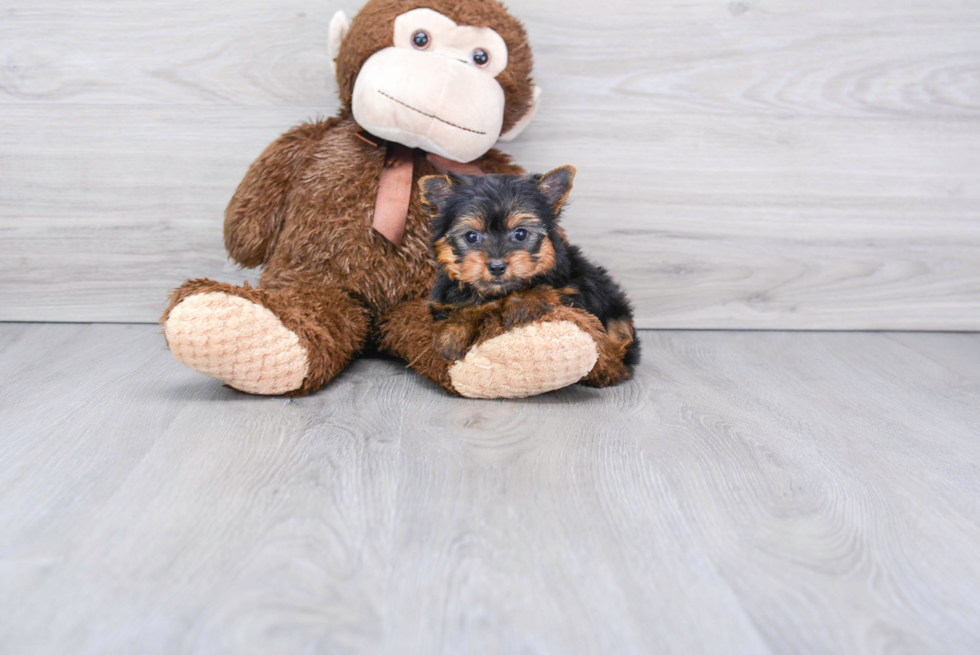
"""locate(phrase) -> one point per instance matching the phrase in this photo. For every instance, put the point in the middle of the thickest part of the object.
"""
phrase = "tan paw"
(526, 361)
(237, 341)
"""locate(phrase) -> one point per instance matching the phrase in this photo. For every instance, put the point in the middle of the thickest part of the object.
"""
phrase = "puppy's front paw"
(523, 307)
(454, 337)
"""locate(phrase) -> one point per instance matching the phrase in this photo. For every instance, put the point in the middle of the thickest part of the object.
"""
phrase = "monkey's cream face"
(435, 89)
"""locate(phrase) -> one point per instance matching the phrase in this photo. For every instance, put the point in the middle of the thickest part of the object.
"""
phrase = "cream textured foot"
(237, 341)
(526, 361)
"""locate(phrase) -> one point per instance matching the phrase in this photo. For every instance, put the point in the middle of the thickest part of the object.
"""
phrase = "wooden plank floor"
(747, 492)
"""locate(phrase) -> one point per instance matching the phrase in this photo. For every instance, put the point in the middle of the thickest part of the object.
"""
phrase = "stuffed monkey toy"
(331, 210)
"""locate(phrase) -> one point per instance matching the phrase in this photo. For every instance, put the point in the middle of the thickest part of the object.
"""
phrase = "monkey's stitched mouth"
(458, 127)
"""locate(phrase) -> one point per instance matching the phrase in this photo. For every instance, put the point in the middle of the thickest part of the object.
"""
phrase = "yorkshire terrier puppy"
(504, 262)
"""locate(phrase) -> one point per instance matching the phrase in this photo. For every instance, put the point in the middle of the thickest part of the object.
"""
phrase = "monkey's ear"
(436, 189)
(519, 126)
(338, 30)
(556, 186)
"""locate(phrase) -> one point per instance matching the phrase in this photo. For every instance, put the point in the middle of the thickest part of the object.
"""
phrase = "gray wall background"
(773, 164)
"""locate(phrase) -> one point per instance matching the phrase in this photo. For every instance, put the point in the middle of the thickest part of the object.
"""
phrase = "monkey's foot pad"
(526, 361)
(237, 341)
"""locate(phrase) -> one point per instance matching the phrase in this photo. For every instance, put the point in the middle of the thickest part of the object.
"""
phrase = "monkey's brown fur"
(305, 207)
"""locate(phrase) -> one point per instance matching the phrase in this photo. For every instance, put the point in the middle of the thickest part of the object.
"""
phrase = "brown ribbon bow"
(395, 188)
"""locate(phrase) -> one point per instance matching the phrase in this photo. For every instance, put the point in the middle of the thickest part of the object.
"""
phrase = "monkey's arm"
(256, 211)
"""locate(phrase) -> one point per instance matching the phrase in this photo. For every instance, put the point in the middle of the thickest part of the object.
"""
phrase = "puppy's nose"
(497, 267)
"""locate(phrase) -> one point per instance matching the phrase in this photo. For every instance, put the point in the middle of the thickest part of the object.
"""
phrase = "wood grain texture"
(786, 165)
(958, 352)
(746, 492)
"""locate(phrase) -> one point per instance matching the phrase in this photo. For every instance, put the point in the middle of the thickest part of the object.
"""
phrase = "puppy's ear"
(556, 186)
(435, 190)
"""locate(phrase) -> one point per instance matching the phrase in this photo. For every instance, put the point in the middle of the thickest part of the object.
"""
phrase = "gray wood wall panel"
(779, 164)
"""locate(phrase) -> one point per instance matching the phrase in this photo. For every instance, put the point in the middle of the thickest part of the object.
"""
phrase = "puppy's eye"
(472, 237)
(421, 39)
(481, 58)
(520, 234)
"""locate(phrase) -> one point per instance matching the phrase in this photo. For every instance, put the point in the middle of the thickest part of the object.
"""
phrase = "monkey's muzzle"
(423, 100)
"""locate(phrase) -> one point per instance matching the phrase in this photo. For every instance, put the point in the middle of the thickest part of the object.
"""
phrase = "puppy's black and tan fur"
(504, 259)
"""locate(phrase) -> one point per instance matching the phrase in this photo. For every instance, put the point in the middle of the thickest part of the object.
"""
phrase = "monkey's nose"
(497, 267)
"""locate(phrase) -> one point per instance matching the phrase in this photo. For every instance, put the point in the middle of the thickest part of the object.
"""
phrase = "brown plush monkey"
(331, 210)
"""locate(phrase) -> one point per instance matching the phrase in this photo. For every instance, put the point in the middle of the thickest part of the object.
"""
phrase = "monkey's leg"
(557, 350)
(264, 341)
(553, 352)
(409, 332)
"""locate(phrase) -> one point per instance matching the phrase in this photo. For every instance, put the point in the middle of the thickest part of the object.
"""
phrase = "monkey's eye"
(421, 39)
(481, 58)
(520, 234)
(472, 237)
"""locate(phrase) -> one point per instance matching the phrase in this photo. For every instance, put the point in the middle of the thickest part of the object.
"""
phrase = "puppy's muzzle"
(497, 267)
